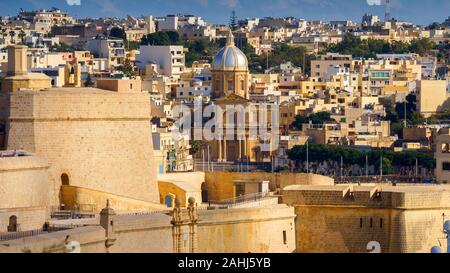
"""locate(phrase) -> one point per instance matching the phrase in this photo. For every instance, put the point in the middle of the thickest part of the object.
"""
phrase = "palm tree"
(22, 36)
(12, 33)
(4, 34)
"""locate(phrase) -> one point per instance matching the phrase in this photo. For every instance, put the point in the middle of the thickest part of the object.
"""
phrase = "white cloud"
(73, 2)
(108, 7)
(374, 2)
(231, 3)
(203, 3)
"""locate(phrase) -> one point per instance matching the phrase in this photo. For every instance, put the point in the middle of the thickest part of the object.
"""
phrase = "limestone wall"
(166, 188)
(23, 182)
(29, 218)
(71, 196)
(24, 185)
(100, 139)
(220, 184)
(256, 230)
(143, 234)
(91, 239)
(402, 219)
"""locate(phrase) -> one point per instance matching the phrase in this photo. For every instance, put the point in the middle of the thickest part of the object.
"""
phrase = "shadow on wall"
(446, 105)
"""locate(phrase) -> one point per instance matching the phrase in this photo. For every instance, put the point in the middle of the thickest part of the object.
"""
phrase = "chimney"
(17, 60)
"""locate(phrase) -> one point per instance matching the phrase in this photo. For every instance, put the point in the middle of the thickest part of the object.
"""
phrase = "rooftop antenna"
(387, 15)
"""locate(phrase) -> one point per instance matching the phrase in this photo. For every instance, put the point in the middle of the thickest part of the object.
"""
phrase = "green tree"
(117, 32)
(174, 37)
(355, 46)
(233, 21)
(387, 165)
(421, 46)
(22, 36)
(12, 34)
(195, 147)
(315, 118)
(127, 69)
(350, 156)
(282, 52)
(157, 38)
(62, 47)
(89, 82)
(4, 33)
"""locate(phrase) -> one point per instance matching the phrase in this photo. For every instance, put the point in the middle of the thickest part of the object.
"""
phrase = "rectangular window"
(445, 148)
(230, 86)
(446, 166)
(284, 237)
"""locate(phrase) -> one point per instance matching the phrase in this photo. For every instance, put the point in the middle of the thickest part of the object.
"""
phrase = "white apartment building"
(170, 59)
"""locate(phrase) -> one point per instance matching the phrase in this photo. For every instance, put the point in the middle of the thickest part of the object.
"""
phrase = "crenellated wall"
(403, 219)
(267, 229)
(220, 184)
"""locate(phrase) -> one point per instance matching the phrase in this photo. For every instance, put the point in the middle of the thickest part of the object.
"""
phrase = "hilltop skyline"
(219, 11)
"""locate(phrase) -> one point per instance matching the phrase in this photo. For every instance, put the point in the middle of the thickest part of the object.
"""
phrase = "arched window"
(169, 201)
(12, 227)
(65, 179)
(204, 188)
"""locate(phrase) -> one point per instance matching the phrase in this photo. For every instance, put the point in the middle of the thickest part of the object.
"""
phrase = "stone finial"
(230, 39)
(177, 202)
(108, 210)
(191, 201)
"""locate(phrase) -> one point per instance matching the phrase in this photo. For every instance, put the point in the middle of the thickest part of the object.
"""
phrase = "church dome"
(230, 57)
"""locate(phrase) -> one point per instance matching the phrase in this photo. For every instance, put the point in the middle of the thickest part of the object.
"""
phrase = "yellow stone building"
(432, 96)
(443, 158)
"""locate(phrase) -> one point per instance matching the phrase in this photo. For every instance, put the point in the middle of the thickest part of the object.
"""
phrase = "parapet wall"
(403, 219)
(409, 197)
(78, 103)
(220, 184)
(268, 229)
(258, 230)
(72, 196)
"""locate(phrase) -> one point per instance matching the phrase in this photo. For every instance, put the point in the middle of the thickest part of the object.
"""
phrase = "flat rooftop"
(368, 187)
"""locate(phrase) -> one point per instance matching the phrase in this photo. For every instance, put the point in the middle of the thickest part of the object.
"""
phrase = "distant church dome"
(230, 57)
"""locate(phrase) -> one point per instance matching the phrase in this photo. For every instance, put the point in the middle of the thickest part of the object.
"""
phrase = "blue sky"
(218, 11)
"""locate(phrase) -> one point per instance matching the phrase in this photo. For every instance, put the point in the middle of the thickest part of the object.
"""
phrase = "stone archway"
(65, 181)
(169, 200)
(13, 226)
